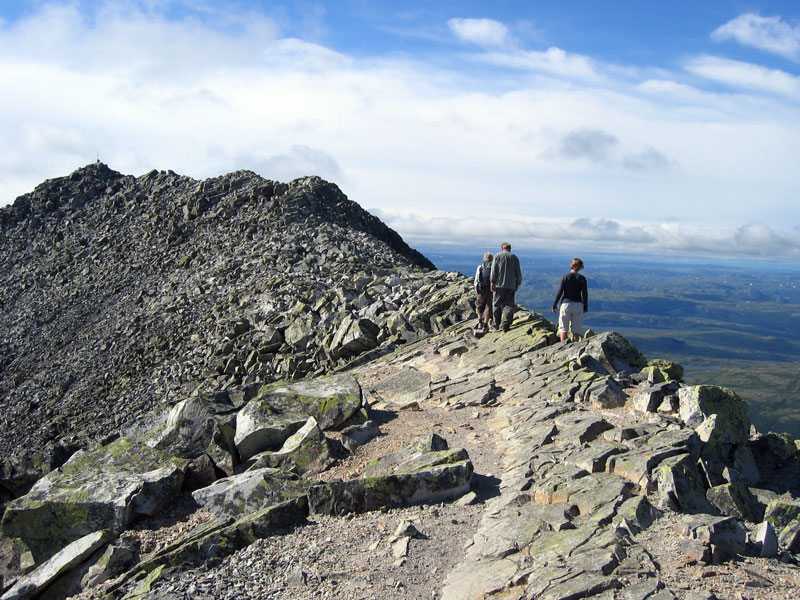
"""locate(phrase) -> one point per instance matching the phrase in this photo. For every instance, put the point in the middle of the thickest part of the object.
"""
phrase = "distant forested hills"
(729, 322)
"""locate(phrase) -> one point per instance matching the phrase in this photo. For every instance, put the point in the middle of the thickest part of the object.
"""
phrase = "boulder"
(615, 353)
(197, 426)
(306, 451)
(723, 535)
(403, 387)
(736, 500)
(723, 447)
(649, 399)
(765, 540)
(249, 492)
(102, 489)
(282, 408)
(354, 436)
(680, 485)
(781, 512)
(354, 335)
(660, 370)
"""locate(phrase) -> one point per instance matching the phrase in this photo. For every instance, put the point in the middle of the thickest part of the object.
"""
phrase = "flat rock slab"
(425, 471)
(32, 584)
(404, 387)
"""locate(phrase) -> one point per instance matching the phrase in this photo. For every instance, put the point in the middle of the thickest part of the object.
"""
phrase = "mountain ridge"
(122, 293)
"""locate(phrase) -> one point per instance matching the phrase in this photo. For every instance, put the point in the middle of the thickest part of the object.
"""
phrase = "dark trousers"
(503, 306)
(483, 302)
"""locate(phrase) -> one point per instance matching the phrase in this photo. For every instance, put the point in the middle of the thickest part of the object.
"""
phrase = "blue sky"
(583, 125)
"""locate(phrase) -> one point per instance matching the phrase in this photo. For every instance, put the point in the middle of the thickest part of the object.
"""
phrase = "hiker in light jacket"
(506, 278)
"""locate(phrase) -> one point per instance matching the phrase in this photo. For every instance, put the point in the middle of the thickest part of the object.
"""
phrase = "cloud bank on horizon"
(629, 126)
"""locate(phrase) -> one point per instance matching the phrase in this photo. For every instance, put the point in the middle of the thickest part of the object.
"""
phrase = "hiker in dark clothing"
(483, 291)
(506, 278)
(574, 297)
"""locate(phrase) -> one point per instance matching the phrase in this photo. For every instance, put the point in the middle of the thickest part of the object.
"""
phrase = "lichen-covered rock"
(282, 408)
(307, 451)
(32, 584)
(198, 426)
(680, 485)
(249, 492)
(660, 370)
(426, 471)
(102, 489)
(736, 500)
(781, 512)
(404, 387)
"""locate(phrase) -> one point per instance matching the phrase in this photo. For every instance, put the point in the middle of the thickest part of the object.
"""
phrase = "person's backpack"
(485, 275)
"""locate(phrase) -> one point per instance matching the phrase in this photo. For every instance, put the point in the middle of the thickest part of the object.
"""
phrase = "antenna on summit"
(98, 157)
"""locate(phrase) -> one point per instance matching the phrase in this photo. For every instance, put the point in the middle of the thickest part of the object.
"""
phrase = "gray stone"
(31, 585)
(723, 533)
(680, 485)
(766, 540)
(424, 472)
(637, 514)
(404, 386)
(249, 492)
(358, 435)
(649, 399)
(305, 451)
(781, 512)
(103, 489)
(789, 537)
(281, 408)
(736, 500)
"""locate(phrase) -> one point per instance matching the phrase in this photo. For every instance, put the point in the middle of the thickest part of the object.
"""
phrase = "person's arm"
(585, 294)
(559, 293)
(477, 282)
(519, 275)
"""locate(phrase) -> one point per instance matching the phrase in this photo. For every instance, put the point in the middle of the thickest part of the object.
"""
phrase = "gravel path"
(352, 557)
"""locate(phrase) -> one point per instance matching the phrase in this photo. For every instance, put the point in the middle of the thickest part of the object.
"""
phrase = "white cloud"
(553, 61)
(745, 75)
(771, 34)
(560, 135)
(487, 33)
(753, 239)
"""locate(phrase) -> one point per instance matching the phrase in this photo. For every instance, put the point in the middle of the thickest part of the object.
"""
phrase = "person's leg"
(508, 309)
(480, 306)
(497, 307)
(576, 320)
(563, 321)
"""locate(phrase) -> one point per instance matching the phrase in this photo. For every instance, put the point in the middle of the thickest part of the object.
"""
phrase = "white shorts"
(571, 316)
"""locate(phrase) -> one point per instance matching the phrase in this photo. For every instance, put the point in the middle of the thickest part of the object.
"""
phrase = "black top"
(573, 289)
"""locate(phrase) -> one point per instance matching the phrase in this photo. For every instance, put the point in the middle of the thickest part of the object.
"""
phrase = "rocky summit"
(237, 388)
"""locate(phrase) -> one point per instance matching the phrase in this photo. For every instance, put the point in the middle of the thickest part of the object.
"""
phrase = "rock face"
(272, 332)
(122, 295)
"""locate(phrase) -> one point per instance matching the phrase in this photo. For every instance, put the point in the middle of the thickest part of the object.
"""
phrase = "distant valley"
(729, 322)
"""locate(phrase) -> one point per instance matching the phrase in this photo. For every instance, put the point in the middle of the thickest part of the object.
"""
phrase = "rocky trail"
(463, 548)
